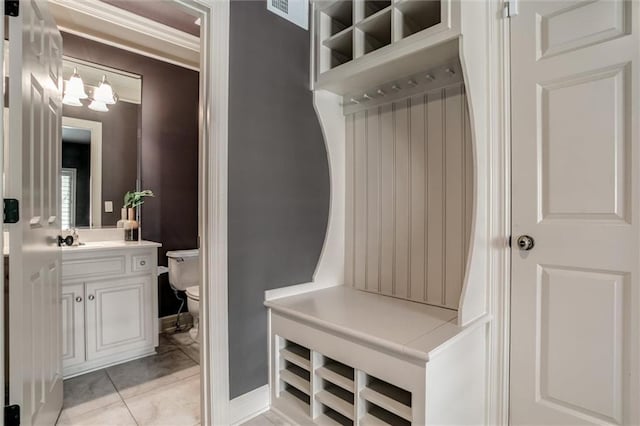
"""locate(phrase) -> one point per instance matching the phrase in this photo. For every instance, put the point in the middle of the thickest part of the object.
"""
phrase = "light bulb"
(71, 101)
(104, 92)
(75, 86)
(98, 106)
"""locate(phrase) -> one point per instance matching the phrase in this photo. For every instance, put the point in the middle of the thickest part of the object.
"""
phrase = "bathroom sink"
(103, 243)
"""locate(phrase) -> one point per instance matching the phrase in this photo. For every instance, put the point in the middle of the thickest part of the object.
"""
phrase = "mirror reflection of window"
(68, 191)
(76, 160)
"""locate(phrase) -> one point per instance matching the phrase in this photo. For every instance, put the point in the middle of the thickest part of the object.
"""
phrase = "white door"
(35, 104)
(73, 348)
(118, 312)
(575, 314)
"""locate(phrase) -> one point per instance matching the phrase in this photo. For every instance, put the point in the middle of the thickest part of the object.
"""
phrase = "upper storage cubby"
(359, 42)
(336, 17)
(414, 16)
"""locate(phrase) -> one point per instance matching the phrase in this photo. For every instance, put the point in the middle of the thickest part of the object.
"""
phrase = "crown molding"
(111, 25)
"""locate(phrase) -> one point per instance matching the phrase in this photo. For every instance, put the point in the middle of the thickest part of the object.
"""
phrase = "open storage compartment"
(371, 7)
(338, 400)
(337, 373)
(374, 32)
(339, 48)
(347, 30)
(336, 17)
(295, 374)
(318, 387)
(387, 402)
(414, 16)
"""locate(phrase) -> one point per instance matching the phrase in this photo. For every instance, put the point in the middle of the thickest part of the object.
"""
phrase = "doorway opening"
(178, 196)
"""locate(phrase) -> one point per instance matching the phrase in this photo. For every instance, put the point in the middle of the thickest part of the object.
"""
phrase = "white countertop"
(109, 245)
(413, 329)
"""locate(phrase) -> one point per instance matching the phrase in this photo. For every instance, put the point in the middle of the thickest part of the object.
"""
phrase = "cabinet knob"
(143, 262)
(91, 297)
(78, 299)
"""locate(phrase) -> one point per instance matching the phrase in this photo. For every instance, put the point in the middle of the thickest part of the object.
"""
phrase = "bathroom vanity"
(109, 304)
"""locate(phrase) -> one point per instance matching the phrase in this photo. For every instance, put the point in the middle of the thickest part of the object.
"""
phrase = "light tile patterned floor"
(162, 390)
(267, 419)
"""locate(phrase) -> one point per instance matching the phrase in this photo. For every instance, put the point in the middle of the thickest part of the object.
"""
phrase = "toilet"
(184, 275)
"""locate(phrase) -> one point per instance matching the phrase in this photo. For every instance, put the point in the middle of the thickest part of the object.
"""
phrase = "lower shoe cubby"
(329, 391)
(387, 403)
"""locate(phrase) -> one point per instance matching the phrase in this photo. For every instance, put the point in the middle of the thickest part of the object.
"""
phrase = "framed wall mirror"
(100, 158)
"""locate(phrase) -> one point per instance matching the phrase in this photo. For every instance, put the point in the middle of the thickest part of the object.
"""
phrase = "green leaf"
(134, 199)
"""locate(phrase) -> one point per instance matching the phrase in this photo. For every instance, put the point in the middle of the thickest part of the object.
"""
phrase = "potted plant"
(132, 200)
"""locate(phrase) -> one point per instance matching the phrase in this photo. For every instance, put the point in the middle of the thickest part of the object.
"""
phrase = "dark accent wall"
(78, 156)
(119, 151)
(278, 179)
(168, 148)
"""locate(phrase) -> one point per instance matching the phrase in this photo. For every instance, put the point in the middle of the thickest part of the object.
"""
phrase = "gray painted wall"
(278, 179)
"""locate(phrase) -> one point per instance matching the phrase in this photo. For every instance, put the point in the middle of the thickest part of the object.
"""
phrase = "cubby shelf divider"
(330, 392)
(357, 41)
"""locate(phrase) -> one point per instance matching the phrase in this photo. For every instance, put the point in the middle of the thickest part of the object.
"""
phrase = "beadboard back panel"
(410, 197)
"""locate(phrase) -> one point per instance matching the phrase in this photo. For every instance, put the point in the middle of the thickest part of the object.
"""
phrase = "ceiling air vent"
(281, 5)
(296, 11)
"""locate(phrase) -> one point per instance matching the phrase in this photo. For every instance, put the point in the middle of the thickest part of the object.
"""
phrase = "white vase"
(123, 214)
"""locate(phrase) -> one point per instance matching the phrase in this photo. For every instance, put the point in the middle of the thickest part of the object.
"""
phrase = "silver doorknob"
(91, 297)
(525, 242)
(78, 299)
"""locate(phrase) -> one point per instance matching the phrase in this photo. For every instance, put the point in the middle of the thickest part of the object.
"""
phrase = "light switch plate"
(108, 206)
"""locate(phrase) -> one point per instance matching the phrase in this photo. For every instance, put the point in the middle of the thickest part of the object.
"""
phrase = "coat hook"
(395, 87)
(449, 71)
(354, 101)
(411, 83)
(366, 97)
(429, 77)
(381, 92)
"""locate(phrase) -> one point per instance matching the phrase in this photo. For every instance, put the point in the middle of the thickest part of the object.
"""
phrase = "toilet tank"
(184, 268)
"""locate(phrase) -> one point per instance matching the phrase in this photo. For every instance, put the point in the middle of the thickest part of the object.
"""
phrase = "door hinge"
(510, 8)
(12, 7)
(11, 210)
(12, 415)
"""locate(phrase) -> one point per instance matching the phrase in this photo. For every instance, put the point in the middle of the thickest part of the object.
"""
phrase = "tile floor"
(162, 389)
(267, 419)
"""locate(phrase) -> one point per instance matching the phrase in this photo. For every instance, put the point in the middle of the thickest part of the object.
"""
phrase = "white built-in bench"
(345, 356)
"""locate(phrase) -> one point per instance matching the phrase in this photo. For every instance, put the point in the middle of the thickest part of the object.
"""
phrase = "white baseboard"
(249, 405)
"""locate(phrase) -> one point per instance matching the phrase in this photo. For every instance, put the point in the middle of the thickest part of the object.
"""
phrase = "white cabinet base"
(110, 305)
(99, 364)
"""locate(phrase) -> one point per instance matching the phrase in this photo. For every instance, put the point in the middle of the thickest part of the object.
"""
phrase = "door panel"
(35, 108)
(118, 313)
(73, 343)
(575, 294)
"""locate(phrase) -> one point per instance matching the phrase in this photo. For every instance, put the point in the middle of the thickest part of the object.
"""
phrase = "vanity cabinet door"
(72, 325)
(119, 316)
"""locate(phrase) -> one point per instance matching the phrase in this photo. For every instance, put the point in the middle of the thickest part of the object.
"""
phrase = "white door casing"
(35, 103)
(575, 295)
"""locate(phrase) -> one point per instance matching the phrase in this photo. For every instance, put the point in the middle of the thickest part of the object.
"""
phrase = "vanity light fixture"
(75, 86)
(104, 93)
(96, 105)
(71, 101)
